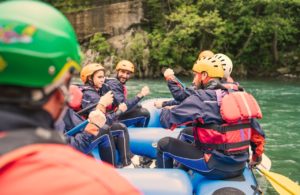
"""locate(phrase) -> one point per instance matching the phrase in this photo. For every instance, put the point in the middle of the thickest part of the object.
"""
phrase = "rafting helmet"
(125, 65)
(89, 70)
(38, 46)
(226, 63)
(205, 53)
(212, 66)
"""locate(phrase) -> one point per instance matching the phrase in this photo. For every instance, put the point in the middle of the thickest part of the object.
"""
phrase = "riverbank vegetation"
(262, 37)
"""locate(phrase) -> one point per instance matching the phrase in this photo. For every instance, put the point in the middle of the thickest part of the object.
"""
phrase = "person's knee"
(164, 143)
(119, 126)
(145, 112)
(123, 126)
(104, 131)
(187, 130)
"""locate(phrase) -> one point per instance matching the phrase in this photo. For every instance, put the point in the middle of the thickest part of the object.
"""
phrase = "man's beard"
(121, 80)
(199, 85)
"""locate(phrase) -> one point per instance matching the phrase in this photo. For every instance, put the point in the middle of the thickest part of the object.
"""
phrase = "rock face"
(113, 18)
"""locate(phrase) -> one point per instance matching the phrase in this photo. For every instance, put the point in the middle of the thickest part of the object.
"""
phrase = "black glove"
(256, 160)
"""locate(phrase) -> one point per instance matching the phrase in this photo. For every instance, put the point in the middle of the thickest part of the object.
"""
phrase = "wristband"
(102, 108)
(94, 124)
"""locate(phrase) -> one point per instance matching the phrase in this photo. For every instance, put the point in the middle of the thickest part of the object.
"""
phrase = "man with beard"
(224, 127)
(135, 115)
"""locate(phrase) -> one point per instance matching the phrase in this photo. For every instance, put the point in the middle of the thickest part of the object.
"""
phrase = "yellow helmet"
(205, 53)
(212, 66)
(125, 65)
(89, 70)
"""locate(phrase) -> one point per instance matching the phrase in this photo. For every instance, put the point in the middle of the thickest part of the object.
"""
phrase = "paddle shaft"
(87, 108)
(265, 172)
(77, 128)
(82, 125)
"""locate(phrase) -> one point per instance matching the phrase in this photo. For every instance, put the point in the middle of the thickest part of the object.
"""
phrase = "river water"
(280, 104)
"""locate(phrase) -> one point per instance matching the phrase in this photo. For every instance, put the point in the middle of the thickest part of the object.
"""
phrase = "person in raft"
(89, 137)
(224, 127)
(180, 92)
(136, 115)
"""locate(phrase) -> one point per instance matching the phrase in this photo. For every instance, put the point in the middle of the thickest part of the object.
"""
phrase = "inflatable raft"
(143, 142)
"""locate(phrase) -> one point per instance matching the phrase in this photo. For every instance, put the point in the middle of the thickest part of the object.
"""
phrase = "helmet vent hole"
(51, 70)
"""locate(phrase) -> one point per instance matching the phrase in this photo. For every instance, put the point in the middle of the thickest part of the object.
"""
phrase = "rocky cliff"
(112, 18)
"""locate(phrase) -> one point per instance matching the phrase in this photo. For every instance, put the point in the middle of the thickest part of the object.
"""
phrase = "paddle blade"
(281, 184)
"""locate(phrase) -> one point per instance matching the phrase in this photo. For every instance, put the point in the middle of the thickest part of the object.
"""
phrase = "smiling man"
(135, 115)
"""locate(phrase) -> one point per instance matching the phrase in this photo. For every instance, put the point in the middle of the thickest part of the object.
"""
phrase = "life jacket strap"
(227, 146)
(224, 129)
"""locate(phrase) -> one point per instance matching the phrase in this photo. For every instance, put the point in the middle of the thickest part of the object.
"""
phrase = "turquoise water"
(280, 104)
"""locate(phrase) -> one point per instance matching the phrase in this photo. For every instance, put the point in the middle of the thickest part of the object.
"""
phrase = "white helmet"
(226, 63)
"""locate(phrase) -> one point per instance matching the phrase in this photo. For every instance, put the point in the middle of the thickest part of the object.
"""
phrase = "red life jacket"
(233, 136)
(34, 163)
(76, 97)
(76, 92)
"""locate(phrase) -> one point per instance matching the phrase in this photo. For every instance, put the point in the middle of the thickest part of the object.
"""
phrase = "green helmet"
(37, 45)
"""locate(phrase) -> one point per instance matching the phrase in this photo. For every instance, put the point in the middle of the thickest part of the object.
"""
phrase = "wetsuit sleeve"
(118, 92)
(119, 97)
(110, 118)
(81, 141)
(170, 103)
(89, 98)
(257, 140)
(132, 102)
(184, 113)
(178, 92)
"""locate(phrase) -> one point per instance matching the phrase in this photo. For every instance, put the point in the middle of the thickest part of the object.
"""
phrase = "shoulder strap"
(11, 140)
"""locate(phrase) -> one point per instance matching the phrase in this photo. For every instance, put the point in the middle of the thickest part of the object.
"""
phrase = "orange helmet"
(125, 65)
(89, 70)
(205, 53)
(212, 66)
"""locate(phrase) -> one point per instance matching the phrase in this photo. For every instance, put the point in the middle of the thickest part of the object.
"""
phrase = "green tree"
(99, 44)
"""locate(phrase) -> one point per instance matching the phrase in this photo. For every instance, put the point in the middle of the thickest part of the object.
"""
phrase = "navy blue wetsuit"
(83, 141)
(118, 130)
(135, 114)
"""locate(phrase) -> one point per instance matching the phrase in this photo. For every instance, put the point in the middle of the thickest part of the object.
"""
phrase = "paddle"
(77, 128)
(281, 184)
(87, 108)
(82, 125)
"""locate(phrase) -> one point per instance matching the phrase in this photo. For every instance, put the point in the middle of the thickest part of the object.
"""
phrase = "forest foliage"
(259, 36)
